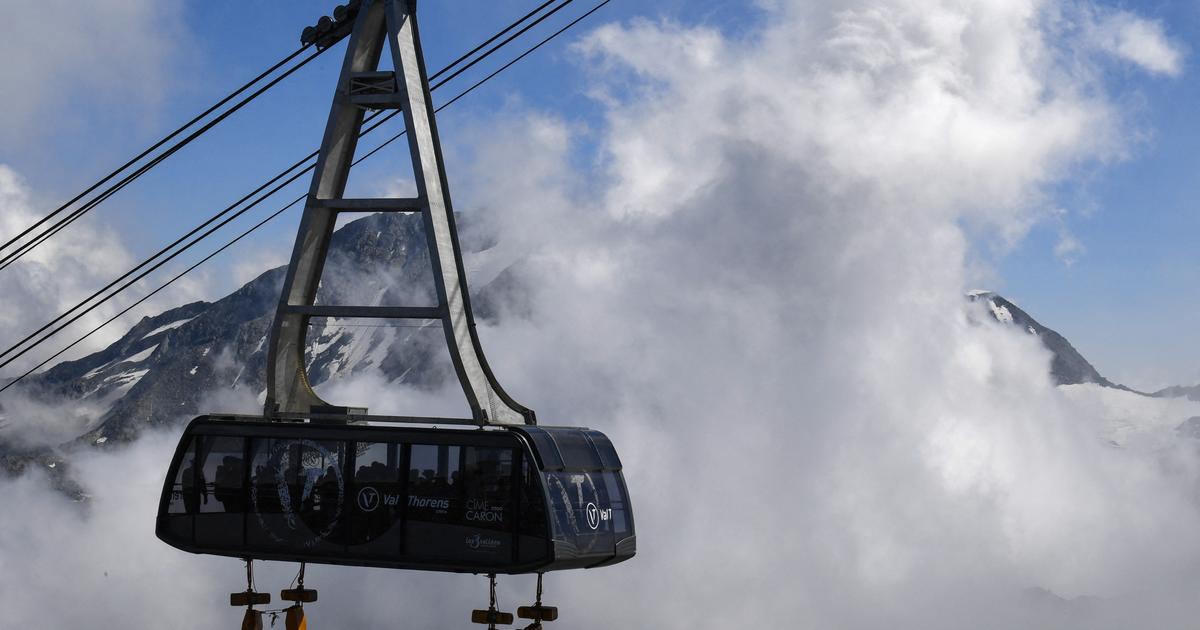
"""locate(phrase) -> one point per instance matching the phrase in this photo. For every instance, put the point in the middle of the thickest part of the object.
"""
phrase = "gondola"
(520, 499)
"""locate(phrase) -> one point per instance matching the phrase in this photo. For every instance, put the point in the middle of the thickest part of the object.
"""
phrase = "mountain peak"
(1068, 366)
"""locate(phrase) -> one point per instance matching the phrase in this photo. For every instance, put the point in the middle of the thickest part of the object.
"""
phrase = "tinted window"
(604, 447)
(545, 447)
(460, 504)
(433, 482)
(185, 491)
(580, 510)
(222, 474)
(532, 514)
(488, 487)
(220, 462)
(298, 492)
(307, 497)
(621, 525)
(379, 498)
(577, 451)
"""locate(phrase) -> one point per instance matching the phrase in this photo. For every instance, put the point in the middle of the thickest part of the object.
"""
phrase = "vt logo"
(368, 499)
(595, 515)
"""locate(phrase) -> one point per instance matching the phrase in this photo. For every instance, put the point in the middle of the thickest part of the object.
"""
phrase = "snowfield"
(1131, 420)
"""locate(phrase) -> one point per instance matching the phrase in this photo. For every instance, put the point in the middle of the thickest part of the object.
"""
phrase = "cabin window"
(488, 476)
(580, 510)
(185, 492)
(297, 493)
(342, 500)
(220, 462)
(378, 498)
(460, 503)
(615, 490)
(532, 513)
(577, 451)
(434, 482)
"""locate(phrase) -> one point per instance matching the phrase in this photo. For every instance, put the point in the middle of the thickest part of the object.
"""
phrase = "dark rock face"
(1068, 366)
(167, 366)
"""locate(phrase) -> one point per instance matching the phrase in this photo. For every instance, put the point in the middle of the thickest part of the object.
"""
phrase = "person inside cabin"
(328, 491)
(191, 498)
(227, 485)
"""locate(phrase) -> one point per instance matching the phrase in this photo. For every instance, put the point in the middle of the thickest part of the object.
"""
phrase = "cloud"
(1068, 249)
(1139, 41)
(57, 274)
(756, 290)
(62, 271)
(112, 52)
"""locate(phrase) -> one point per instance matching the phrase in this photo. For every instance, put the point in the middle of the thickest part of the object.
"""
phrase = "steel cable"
(156, 145)
(112, 190)
(260, 223)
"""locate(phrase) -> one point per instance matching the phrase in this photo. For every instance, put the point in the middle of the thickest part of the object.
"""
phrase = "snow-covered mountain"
(1124, 417)
(168, 365)
(1068, 366)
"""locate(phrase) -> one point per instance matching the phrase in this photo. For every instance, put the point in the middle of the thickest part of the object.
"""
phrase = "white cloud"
(57, 274)
(1068, 249)
(61, 272)
(1137, 40)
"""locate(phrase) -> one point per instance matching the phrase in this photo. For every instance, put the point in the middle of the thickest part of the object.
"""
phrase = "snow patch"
(141, 356)
(977, 292)
(1001, 312)
(94, 372)
(136, 358)
(125, 380)
(169, 326)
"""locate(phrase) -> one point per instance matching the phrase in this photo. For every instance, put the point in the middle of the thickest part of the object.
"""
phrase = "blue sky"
(1126, 300)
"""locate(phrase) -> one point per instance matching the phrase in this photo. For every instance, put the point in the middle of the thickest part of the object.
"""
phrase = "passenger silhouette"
(228, 485)
(191, 498)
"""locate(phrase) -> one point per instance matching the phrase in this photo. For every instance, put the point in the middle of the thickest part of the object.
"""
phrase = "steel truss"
(362, 86)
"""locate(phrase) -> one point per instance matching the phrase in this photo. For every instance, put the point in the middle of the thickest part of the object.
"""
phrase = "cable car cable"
(171, 257)
(498, 46)
(241, 212)
(491, 39)
(177, 241)
(228, 209)
(369, 117)
(38, 240)
(112, 190)
(519, 57)
(156, 145)
(260, 223)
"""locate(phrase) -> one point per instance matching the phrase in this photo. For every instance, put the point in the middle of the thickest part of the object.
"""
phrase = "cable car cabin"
(515, 500)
